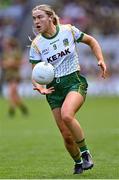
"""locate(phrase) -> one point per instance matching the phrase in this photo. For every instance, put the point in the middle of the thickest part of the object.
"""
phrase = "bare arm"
(94, 45)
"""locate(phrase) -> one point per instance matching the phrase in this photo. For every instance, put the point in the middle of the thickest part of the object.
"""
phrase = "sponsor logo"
(45, 51)
(58, 55)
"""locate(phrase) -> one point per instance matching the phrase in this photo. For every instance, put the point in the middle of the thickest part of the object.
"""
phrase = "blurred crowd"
(96, 17)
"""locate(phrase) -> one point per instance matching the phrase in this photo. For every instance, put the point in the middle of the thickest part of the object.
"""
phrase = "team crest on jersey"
(66, 42)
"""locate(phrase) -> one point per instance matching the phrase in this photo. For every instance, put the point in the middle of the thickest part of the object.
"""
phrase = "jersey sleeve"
(34, 55)
(78, 35)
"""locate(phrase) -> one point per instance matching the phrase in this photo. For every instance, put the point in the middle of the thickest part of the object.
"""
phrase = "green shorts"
(65, 84)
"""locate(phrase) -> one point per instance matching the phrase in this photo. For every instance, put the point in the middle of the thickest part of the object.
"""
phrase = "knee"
(66, 117)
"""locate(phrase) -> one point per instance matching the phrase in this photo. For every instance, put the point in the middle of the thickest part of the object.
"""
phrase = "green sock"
(23, 108)
(11, 111)
(77, 158)
(82, 145)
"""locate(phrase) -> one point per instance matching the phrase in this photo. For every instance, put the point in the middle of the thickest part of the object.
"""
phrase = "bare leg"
(72, 103)
(69, 108)
(14, 97)
(69, 142)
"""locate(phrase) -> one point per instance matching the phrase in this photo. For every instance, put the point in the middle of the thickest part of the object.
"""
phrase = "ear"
(51, 18)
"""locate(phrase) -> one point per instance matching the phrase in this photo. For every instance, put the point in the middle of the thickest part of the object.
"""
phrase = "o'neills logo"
(56, 56)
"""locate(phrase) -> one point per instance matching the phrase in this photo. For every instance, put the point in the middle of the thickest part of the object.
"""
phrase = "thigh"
(75, 93)
(72, 103)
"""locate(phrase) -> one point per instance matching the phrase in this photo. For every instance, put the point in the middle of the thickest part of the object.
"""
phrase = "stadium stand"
(98, 18)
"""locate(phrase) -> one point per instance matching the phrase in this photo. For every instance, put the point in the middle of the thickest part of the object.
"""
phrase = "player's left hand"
(103, 68)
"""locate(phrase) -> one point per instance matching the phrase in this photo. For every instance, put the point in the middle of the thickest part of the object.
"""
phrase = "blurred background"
(98, 18)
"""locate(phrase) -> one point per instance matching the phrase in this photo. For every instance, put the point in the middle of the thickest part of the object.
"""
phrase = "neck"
(51, 31)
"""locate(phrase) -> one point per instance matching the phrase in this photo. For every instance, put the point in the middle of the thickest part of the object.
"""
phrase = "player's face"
(41, 21)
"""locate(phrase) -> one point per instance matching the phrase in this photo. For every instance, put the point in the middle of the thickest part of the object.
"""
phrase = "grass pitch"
(32, 147)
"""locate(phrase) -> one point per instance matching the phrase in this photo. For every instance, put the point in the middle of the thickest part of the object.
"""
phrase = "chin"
(39, 30)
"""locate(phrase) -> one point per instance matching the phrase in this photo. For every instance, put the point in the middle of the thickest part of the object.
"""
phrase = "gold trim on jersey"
(34, 43)
(35, 47)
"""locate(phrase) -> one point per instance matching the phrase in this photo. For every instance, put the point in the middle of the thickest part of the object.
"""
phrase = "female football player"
(56, 44)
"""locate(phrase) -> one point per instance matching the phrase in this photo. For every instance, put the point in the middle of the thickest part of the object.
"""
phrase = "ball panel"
(43, 73)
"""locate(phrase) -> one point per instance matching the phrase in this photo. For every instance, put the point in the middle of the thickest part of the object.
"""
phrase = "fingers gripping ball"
(43, 73)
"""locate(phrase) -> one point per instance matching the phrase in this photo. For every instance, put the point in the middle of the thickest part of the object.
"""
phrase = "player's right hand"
(44, 91)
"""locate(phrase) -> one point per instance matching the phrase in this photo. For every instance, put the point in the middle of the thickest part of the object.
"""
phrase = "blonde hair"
(49, 11)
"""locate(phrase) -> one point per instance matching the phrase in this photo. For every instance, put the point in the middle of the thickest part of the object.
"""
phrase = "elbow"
(91, 41)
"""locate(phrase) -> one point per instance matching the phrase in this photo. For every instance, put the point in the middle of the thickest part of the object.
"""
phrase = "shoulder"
(69, 28)
(35, 43)
(36, 39)
(66, 27)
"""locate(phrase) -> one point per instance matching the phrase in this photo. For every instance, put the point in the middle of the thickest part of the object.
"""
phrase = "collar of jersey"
(57, 31)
